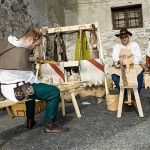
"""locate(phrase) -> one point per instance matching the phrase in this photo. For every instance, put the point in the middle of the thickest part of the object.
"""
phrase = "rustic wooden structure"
(72, 29)
(80, 29)
(66, 86)
(132, 84)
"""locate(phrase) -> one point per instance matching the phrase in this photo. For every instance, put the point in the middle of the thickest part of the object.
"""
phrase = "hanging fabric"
(59, 49)
(93, 38)
(85, 51)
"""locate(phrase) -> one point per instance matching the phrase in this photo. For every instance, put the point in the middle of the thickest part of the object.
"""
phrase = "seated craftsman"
(15, 68)
(126, 49)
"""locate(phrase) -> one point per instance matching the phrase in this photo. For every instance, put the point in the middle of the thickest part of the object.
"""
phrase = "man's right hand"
(34, 58)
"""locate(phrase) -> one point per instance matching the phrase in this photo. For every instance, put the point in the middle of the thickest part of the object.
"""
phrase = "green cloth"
(85, 51)
(48, 93)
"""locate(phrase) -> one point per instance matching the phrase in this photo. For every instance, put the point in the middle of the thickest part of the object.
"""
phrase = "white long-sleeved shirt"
(13, 76)
(135, 50)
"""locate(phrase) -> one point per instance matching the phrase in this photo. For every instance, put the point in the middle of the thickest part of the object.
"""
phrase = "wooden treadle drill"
(125, 69)
(123, 73)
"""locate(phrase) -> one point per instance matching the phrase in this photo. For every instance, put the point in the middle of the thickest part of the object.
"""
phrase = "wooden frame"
(70, 87)
(132, 84)
(78, 28)
(75, 28)
(127, 16)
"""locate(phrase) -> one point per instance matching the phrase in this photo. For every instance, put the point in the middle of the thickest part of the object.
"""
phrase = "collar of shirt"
(14, 41)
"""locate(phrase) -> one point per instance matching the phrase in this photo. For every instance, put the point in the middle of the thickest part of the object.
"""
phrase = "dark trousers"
(48, 93)
(116, 80)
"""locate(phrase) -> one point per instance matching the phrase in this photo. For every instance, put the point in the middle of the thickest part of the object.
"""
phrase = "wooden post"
(51, 81)
(59, 82)
(75, 104)
(66, 75)
(101, 54)
(40, 69)
(80, 49)
(100, 44)
(37, 69)
(9, 112)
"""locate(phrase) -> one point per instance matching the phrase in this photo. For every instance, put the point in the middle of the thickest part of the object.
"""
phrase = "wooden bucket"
(112, 102)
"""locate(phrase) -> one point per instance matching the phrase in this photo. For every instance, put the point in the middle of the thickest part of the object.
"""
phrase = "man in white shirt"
(15, 67)
(126, 49)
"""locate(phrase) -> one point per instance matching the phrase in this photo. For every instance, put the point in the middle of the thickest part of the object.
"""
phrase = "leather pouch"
(23, 91)
(27, 89)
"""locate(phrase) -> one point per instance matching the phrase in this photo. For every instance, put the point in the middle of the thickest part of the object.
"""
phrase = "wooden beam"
(71, 63)
(47, 61)
(67, 29)
(8, 102)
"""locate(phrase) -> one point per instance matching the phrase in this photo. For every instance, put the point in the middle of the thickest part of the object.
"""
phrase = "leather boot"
(133, 101)
(30, 123)
(53, 128)
(134, 104)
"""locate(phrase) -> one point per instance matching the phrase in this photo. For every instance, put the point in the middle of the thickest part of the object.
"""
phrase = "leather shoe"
(30, 123)
(134, 104)
(53, 128)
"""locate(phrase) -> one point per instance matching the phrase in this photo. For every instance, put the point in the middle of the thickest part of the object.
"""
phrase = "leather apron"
(125, 52)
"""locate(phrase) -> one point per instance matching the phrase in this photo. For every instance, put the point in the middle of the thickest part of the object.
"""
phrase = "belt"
(10, 83)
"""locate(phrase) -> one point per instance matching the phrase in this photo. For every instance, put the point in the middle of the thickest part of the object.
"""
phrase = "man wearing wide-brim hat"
(126, 49)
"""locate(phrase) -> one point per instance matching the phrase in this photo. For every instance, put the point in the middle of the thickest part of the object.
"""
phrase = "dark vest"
(14, 58)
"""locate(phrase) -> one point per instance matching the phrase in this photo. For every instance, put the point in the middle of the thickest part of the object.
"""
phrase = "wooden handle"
(47, 61)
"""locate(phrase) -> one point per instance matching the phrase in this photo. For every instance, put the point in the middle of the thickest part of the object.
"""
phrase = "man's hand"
(34, 58)
(120, 61)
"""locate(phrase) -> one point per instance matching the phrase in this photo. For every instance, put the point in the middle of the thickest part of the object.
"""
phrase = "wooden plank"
(71, 63)
(9, 112)
(8, 102)
(69, 86)
(131, 78)
(70, 83)
(68, 29)
(47, 61)
(19, 109)
(75, 105)
(138, 102)
(129, 84)
(120, 103)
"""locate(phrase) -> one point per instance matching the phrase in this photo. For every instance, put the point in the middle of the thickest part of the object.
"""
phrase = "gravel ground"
(97, 129)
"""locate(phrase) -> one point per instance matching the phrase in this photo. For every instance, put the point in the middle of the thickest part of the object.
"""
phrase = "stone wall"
(18, 15)
(88, 11)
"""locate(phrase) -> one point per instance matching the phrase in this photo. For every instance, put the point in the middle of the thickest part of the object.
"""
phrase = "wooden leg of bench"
(9, 112)
(74, 101)
(120, 102)
(137, 98)
(63, 103)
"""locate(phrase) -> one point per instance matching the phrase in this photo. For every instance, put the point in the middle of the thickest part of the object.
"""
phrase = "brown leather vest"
(13, 58)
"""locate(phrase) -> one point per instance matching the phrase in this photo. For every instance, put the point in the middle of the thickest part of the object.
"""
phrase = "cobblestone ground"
(97, 129)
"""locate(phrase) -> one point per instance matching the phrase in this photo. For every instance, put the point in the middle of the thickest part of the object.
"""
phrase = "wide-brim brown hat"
(123, 31)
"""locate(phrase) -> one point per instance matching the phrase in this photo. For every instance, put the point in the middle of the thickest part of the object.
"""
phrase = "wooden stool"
(132, 84)
(6, 103)
(70, 88)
